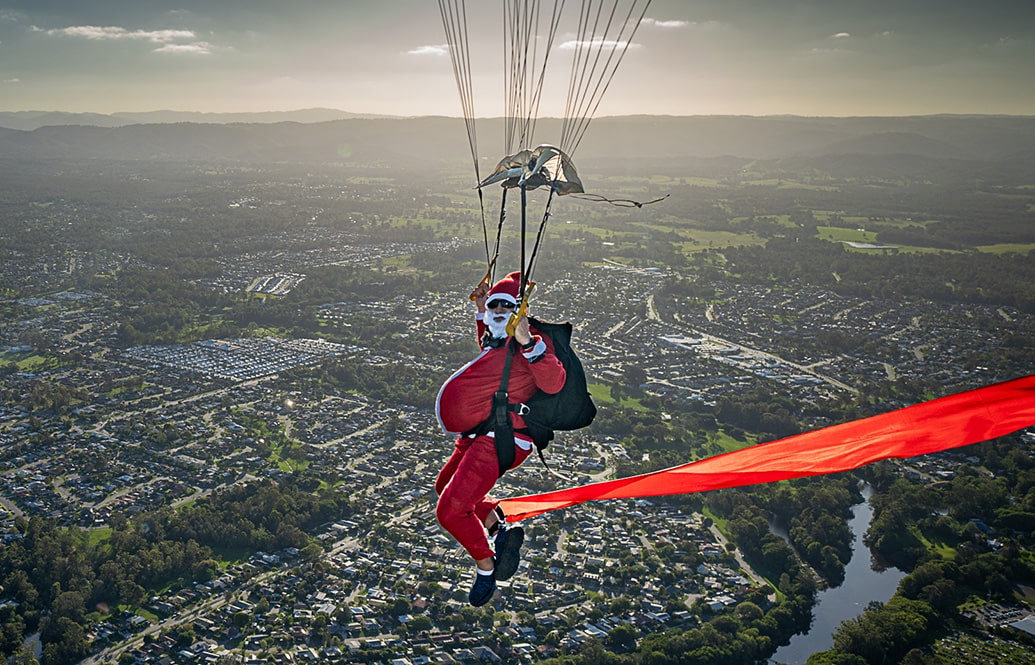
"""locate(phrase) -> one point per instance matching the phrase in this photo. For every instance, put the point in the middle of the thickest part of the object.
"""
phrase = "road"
(748, 570)
(680, 328)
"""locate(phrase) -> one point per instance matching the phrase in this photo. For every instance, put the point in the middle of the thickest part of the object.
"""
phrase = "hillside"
(30, 120)
(970, 142)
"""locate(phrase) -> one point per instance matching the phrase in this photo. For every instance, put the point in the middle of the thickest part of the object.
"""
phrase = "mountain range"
(29, 120)
(328, 136)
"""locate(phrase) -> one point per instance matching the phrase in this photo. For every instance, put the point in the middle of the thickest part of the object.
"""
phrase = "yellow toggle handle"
(521, 311)
(487, 280)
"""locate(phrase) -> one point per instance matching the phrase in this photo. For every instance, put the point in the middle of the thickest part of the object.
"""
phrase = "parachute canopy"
(597, 37)
(941, 424)
(545, 166)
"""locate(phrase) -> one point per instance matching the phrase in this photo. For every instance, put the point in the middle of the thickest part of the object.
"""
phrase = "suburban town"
(208, 400)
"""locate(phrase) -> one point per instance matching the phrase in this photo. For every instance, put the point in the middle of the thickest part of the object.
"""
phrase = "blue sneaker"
(508, 551)
(481, 592)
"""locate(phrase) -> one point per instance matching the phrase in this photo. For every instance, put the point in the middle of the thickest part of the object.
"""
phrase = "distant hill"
(612, 143)
(772, 137)
(29, 120)
(893, 143)
(363, 141)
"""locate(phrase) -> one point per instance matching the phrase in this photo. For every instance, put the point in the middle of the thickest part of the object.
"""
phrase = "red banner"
(941, 424)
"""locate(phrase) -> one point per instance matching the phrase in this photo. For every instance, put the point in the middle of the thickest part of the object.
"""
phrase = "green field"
(30, 362)
(1008, 248)
(784, 220)
(840, 234)
(601, 394)
(727, 442)
(781, 183)
(97, 537)
(700, 241)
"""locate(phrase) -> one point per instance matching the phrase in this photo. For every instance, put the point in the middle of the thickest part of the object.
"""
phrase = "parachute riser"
(524, 217)
(526, 53)
(523, 292)
(525, 279)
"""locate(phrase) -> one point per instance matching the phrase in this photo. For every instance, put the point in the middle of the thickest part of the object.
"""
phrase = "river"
(861, 586)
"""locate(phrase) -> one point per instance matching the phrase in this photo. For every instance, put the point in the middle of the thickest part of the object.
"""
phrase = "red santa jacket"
(465, 399)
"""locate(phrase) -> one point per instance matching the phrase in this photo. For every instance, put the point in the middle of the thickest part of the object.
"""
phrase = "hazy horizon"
(735, 57)
(455, 116)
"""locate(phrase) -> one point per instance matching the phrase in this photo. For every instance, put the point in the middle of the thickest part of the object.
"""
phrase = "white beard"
(498, 328)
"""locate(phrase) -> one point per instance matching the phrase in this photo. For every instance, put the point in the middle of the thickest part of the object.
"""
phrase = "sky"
(688, 57)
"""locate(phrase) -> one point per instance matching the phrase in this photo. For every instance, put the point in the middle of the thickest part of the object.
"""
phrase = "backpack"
(570, 408)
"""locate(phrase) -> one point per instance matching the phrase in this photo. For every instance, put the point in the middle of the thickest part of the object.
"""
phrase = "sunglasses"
(505, 304)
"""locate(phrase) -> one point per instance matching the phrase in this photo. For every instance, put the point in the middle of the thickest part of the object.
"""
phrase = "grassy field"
(720, 523)
(783, 220)
(941, 548)
(31, 362)
(789, 184)
(727, 442)
(840, 234)
(601, 394)
(699, 240)
(700, 182)
(1007, 248)
(99, 536)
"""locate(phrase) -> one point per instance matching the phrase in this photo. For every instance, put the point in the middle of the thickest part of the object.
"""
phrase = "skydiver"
(465, 404)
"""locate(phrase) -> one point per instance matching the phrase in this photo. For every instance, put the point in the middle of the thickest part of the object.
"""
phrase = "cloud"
(12, 81)
(168, 41)
(705, 27)
(197, 48)
(434, 50)
(667, 24)
(607, 44)
(841, 35)
(115, 32)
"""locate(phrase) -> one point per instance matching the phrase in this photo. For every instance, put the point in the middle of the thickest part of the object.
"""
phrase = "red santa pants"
(463, 487)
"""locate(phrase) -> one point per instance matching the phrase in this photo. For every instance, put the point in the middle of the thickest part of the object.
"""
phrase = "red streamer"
(947, 422)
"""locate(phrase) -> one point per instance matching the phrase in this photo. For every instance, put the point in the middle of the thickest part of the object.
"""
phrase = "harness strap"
(500, 418)
(499, 422)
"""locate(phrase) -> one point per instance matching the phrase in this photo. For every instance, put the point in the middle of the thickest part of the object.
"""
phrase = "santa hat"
(506, 289)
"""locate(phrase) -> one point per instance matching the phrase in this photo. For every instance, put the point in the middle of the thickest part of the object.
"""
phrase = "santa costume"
(464, 404)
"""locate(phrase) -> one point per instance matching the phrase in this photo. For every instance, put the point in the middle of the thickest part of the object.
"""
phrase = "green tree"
(64, 642)
(621, 638)
(421, 623)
